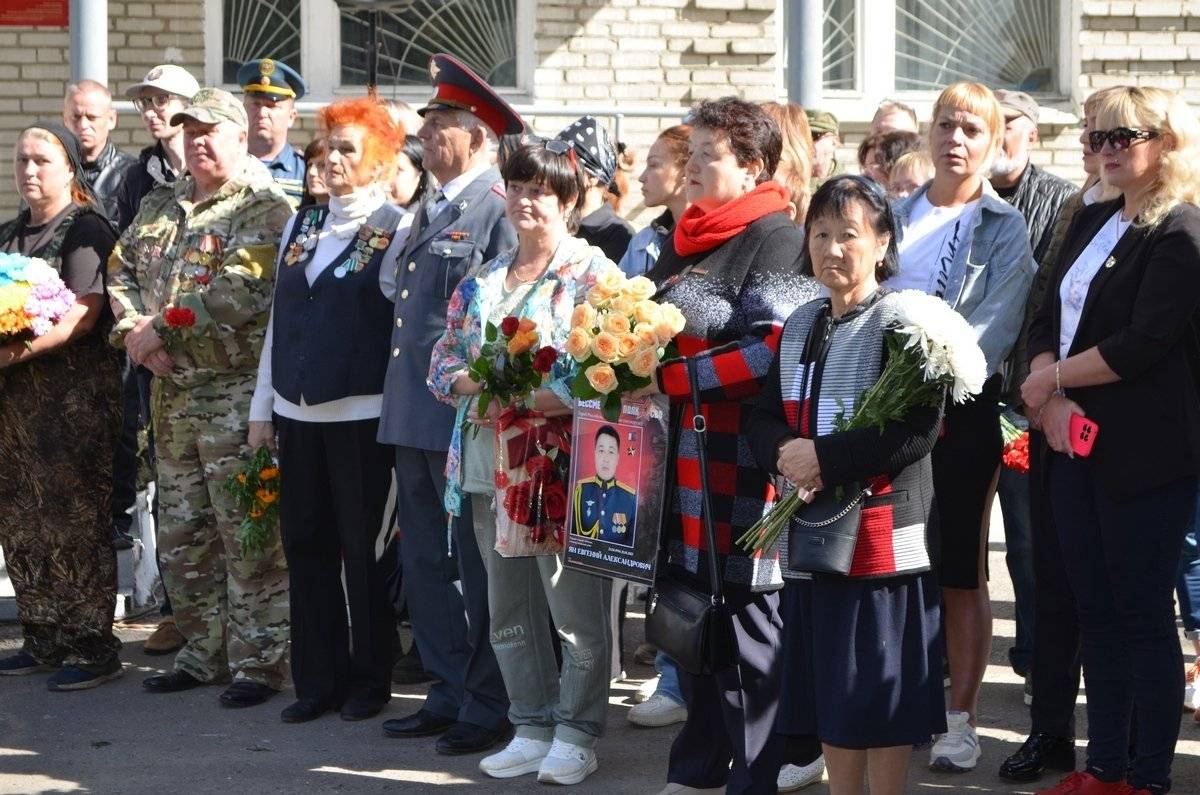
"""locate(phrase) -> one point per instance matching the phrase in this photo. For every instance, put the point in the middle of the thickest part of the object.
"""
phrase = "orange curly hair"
(382, 138)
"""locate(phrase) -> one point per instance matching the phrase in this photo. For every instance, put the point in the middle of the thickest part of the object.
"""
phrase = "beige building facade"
(556, 58)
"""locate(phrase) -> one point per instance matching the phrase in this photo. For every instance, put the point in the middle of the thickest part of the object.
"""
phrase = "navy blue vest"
(330, 340)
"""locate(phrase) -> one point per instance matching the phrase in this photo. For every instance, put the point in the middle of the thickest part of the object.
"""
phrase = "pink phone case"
(1083, 435)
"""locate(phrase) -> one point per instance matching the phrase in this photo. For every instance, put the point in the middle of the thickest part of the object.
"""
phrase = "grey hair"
(469, 121)
(87, 86)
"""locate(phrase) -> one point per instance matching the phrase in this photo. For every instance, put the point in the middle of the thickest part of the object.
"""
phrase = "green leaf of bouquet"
(489, 332)
(611, 407)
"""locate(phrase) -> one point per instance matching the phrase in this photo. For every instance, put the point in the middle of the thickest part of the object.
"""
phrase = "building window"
(841, 18)
(482, 33)
(259, 29)
(1001, 43)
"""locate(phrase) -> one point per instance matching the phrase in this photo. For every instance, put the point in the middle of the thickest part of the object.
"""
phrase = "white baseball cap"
(167, 77)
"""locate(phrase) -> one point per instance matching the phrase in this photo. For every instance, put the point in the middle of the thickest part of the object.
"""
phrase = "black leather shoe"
(1041, 752)
(360, 706)
(246, 694)
(467, 738)
(304, 710)
(420, 724)
(174, 682)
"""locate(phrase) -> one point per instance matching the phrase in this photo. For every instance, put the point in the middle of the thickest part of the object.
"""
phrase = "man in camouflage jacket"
(190, 282)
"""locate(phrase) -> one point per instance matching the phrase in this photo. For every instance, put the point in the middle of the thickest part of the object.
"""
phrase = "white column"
(89, 40)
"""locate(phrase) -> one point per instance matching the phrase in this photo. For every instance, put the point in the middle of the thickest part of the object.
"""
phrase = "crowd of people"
(232, 293)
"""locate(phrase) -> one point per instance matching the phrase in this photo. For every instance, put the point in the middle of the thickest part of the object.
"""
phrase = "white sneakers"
(794, 777)
(567, 763)
(956, 751)
(555, 762)
(522, 755)
(658, 710)
(646, 689)
(1190, 701)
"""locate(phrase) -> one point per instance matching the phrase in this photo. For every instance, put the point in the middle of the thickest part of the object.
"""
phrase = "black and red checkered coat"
(735, 298)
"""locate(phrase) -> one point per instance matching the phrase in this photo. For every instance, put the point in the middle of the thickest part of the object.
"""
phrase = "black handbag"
(822, 534)
(694, 628)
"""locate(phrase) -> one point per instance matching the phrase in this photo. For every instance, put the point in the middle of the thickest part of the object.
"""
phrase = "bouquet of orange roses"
(256, 489)
(619, 336)
(508, 368)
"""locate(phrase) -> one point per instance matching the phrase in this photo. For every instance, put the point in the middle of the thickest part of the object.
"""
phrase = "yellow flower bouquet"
(618, 336)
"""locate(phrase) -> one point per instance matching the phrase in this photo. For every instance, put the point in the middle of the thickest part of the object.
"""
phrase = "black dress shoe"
(1040, 752)
(174, 682)
(304, 710)
(361, 706)
(467, 738)
(420, 724)
(246, 694)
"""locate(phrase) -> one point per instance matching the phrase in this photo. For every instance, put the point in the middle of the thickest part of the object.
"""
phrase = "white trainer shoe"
(522, 755)
(956, 751)
(646, 689)
(567, 763)
(1190, 700)
(658, 710)
(794, 777)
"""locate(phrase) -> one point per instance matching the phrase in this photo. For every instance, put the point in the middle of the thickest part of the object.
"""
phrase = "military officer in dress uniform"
(605, 508)
(458, 229)
(269, 92)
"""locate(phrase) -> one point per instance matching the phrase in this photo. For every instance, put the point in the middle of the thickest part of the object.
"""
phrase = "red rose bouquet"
(1016, 446)
(175, 320)
(509, 367)
(532, 461)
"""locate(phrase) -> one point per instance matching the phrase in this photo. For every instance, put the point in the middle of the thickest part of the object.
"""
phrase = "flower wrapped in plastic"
(33, 298)
(931, 350)
(1015, 455)
(618, 337)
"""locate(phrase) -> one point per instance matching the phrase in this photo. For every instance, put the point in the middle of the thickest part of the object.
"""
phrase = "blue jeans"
(1018, 542)
(1121, 559)
(668, 683)
(1188, 586)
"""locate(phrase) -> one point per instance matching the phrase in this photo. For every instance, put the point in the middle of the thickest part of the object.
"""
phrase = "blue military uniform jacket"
(287, 169)
(438, 255)
(605, 510)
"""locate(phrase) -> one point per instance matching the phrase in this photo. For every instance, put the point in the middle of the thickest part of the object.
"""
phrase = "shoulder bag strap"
(698, 424)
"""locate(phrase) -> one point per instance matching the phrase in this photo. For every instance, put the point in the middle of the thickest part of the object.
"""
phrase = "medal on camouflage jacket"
(200, 260)
(369, 240)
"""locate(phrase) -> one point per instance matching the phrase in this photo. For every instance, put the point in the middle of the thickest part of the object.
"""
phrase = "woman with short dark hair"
(732, 268)
(559, 718)
(861, 652)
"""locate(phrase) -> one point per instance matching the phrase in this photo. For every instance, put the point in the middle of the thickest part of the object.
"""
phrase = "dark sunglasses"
(560, 147)
(1120, 138)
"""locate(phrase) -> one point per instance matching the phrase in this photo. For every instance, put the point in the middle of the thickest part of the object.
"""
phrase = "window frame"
(321, 54)
(876, 34)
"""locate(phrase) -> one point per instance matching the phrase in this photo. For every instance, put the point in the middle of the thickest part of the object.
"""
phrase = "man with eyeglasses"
(89, 114)
(460, 227)
(270, 90)
(163, 92)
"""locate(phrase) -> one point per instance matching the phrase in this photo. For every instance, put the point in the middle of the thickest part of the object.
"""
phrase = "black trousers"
(333, 499)
(1056, 667)
(731, 715)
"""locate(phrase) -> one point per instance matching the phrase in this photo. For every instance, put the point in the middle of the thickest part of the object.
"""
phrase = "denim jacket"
(646, 245)
(989, 279)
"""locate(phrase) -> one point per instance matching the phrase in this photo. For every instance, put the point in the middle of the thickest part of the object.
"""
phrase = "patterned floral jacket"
(571, 273)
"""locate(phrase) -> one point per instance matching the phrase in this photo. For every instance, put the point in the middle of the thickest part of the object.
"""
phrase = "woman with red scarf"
(732, 267)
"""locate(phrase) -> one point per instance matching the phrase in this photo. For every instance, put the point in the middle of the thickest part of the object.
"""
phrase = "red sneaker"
(1080, 783)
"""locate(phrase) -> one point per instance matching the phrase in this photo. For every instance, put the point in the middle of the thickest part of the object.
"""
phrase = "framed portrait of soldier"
(618, 479)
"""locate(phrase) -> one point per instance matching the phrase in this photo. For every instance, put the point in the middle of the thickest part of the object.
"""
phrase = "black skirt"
(862, 660)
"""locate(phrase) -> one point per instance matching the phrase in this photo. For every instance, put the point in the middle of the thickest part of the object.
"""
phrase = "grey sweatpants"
(545, 704)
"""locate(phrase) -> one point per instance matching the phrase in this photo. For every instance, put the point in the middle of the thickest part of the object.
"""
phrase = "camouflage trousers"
(59, 417)
(232, 609)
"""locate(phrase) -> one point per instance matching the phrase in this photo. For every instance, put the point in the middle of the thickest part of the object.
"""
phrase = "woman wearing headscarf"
(599, 224)
(60, 412)
(320, 383)
(732, 268)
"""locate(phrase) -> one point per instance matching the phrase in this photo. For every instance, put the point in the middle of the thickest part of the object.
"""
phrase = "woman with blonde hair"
(320, 384)
(1112, 385)
(796, 158)
(959, 241)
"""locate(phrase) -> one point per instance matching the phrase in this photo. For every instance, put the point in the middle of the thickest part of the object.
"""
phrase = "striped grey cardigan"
(845, 360)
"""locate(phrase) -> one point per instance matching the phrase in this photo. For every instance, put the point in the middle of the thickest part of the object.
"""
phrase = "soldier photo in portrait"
(605, 508)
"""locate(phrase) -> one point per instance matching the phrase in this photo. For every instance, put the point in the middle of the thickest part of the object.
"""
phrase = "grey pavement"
(119, 739)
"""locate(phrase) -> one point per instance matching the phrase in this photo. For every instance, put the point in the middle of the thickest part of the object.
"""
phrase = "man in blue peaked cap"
(270, 90)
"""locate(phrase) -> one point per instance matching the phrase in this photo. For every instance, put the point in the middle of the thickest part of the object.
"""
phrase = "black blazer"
(1141, 312)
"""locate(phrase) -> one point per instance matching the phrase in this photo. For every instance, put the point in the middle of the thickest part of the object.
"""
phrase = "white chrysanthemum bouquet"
(619, 336)
(930, 349)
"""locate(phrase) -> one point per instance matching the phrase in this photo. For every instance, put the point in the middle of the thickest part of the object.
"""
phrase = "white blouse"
(1072, 293)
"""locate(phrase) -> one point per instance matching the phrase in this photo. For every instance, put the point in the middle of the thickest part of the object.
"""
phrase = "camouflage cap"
(821, 122)
(212, 105)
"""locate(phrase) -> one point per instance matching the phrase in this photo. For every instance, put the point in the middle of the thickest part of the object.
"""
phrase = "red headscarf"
(699, 231)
